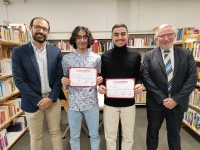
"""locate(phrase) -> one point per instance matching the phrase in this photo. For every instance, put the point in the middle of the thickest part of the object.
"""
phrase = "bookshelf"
(192, 116)
(142, 41)
(9, 108)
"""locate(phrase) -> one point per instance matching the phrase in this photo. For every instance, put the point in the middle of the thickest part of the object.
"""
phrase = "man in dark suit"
(169, 75)
(37, 73)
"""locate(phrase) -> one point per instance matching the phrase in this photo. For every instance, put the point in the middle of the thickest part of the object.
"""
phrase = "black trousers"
(173, 123)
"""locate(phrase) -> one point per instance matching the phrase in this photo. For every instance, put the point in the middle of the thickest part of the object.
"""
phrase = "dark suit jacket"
(155, 79)
(27, 78)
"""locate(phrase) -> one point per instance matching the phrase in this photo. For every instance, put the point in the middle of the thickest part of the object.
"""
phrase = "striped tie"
(168, 68)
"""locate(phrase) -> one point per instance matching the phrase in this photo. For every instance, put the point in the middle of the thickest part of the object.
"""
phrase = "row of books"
(193, 119)
(101, 46)
(191, 30)
(3, 139)
(19, 124)
(194, 98)
(141, 97)
(196, 49)
(8, 109)
(141, 42)
(5, 67)
(179, 34)
(183, 31)
(7, 87)
(62, 45)
(14, 33)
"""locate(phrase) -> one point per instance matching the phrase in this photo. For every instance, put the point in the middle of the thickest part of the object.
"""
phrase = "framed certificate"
(120, 88)
(82, 77)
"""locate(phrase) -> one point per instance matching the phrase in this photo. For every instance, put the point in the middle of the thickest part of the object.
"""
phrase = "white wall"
(101, 15)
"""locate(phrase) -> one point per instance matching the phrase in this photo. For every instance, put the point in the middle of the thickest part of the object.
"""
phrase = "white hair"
(163, 26)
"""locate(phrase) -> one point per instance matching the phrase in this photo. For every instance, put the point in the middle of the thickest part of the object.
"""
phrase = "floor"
(190, 140)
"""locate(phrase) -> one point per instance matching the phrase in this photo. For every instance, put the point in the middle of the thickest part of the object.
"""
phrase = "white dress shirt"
(41, 57)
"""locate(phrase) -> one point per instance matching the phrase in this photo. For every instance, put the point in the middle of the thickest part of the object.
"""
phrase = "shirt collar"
(171, 50)
(79, 54)
(36, 49)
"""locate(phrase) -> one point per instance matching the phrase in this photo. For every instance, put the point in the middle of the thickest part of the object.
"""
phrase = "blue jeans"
(92, 120)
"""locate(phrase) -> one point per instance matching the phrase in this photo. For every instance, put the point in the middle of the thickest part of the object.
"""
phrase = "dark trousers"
(173, 123)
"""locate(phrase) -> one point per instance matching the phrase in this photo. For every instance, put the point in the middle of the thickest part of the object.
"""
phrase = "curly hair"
(72, 39)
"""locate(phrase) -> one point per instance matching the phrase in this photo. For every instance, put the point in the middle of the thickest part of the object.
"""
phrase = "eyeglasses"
(85, 37)
(164, 35)
(38, 28)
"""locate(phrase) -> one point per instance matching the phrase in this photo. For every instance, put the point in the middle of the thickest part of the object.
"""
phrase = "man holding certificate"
(81, 69)
(121, 82)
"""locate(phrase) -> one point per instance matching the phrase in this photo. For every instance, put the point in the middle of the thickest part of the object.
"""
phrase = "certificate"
(82, 77)
(120, 88)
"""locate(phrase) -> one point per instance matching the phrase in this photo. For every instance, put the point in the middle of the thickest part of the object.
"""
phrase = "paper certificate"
(82, 77)
(120, 88)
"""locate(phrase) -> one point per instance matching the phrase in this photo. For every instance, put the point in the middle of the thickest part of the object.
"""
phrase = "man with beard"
(37, 73)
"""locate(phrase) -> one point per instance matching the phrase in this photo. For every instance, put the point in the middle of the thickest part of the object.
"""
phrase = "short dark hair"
(119, 25)
(31, 23)
(72, 39)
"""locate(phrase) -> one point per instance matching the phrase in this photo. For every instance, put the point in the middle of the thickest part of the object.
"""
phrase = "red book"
(96, 50)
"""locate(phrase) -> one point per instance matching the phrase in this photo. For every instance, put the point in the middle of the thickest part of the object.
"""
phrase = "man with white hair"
(169, 75)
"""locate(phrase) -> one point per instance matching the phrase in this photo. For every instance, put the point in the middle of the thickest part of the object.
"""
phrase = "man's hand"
(169, 103)
(138, 88)
(99, 80)
(102, 89)
(45, 103)
(65, 82)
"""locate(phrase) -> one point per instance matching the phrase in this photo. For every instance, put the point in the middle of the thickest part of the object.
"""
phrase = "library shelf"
(194, 107)
(11, 95)
(3, 125)
(142, 47)
(14, 136)
(9, 43)
(140, 104)
(188, 125)
(6, 76)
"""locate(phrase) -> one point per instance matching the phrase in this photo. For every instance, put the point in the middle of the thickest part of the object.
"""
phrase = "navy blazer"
(27, 78)
(155, 79)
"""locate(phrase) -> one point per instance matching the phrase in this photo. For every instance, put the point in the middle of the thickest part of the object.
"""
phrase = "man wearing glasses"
(169, 75)
(37, 72)
(82, 100)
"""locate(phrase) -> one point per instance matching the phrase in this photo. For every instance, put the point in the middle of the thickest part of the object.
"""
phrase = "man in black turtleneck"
(120, 62)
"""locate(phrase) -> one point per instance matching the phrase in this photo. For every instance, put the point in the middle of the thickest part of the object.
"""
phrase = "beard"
(39, 40)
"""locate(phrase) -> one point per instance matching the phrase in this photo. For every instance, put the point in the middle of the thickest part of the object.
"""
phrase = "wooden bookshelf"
(195, 107)
(3, 125)
(9, 43)
(148, 47)
(197, 60)
(7, 97)
(140, 104)
(6, 76)
(188, 125)
(6, 48)
(13, 137)
(192, 36)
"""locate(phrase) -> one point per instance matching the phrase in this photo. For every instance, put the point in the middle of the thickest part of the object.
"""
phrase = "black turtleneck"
(121, 62)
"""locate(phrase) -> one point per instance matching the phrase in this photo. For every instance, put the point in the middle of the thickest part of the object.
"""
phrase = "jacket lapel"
(176, 59)
(159, 57)
(33, 59)
(49, 59)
